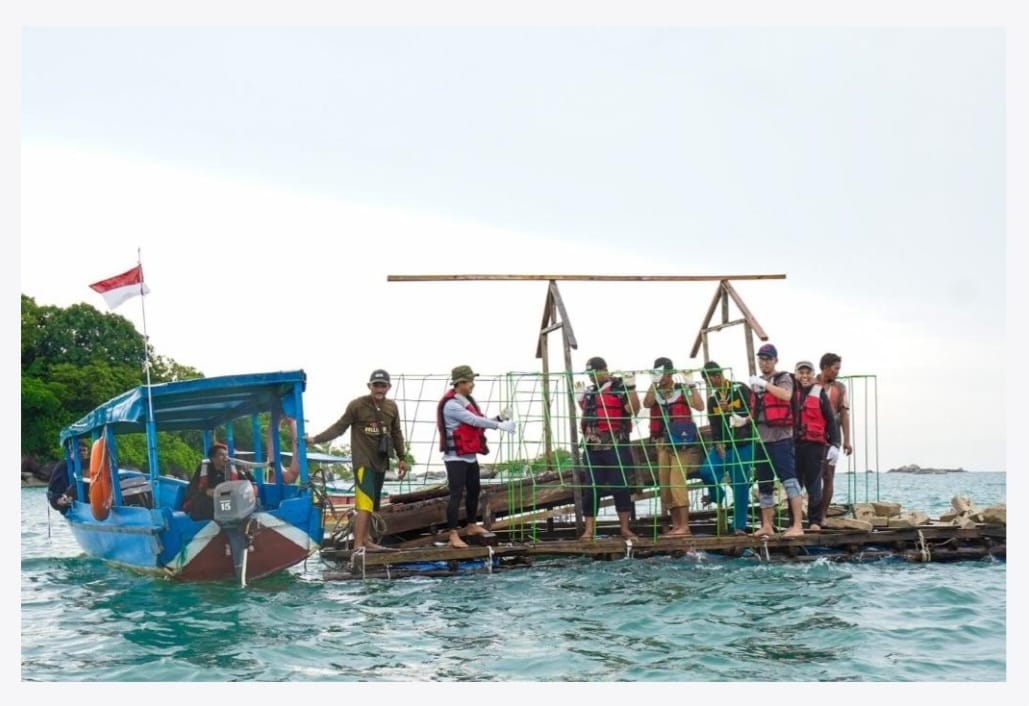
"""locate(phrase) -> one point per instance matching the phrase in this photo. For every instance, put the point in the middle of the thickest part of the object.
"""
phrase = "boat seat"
(171, 492)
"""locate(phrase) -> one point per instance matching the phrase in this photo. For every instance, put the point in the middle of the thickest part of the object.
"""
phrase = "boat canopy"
(202, 403)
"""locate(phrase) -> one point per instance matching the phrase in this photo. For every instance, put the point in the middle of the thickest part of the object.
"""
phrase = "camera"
(385, 445)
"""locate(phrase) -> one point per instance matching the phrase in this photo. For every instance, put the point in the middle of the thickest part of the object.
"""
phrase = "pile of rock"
(886, 515)
(966, 514)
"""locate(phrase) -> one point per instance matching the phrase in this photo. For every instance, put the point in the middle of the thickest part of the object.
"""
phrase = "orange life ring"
(100, 495)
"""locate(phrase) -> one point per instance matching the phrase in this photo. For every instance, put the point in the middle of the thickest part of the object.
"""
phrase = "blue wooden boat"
(259, 528)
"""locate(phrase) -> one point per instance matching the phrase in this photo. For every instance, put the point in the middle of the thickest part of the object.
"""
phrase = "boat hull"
(173, 545)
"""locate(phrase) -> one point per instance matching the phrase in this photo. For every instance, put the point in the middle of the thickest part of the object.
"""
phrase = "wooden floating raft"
(918, 544)
(414, 512)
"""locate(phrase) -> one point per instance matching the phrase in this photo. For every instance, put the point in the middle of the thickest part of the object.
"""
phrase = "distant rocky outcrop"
(912, 468)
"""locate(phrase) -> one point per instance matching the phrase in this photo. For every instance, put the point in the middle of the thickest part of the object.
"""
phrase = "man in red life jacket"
(375, 435)
(815, 427)
(199, 503)
(461, 426)
(837, 392)
(771, 407)
(677, 438)
(608, 407)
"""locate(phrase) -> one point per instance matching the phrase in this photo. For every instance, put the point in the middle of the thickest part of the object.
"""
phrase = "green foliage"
(167, 370)
(519, 468)
(79, 335)
(76, 358)
(41, 412)
(176, 456)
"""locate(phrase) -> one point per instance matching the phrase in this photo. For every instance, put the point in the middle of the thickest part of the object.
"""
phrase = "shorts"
(368, 489)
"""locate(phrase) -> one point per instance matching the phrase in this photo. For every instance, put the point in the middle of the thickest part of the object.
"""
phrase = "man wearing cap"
(376, 436)
(771, 402)
(461, 427)
(816, 426)
(732, 449)
(678, 441)
(608, 407)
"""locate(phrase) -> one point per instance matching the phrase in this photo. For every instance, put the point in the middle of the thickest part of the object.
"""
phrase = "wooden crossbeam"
(580, 278)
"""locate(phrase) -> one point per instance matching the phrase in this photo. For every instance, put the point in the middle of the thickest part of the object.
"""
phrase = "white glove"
(506, 414)
(629, 379)
(580, 390)
(507, 425)
(758, 382)
(833, 456)
(690, 381)
(737, 420)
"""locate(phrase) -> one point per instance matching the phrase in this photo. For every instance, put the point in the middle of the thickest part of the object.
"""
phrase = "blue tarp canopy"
(200, 404)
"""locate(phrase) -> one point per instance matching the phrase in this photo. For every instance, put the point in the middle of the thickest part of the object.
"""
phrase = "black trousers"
(809, 474)
(462, 478)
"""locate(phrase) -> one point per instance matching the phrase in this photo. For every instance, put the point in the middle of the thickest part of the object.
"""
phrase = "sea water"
(698, 618)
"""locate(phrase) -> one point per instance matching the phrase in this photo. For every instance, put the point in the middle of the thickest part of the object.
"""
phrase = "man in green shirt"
(375, 437)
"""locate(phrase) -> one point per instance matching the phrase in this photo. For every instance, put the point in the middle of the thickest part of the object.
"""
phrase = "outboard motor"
(234, 503)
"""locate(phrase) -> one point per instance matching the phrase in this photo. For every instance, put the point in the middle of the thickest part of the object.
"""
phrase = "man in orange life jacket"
(461, 426)
(608, 407)
(374, 421)
(837, 392)
(677, 438)
(771, 407)
(816, 426)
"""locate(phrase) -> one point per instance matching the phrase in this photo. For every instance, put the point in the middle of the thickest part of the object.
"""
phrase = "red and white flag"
(116, 290)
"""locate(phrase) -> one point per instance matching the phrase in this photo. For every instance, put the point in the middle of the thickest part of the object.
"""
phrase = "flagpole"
(151, 422)
(142, 306)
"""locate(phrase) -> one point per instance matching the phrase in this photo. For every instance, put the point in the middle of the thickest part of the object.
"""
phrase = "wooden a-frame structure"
(555, 318)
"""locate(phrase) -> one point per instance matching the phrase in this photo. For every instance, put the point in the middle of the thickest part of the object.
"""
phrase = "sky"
(273, 176)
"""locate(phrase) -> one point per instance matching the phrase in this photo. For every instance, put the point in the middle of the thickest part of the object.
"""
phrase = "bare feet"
(677, 532)
(629, 534)
(740, 533)
(793, 532)
(456, 542)
(814, 528)
(764, 531)
(373, 547)
(586, 538)
(475, 529)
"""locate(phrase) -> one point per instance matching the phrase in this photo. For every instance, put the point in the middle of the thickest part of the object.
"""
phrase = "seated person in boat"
(60, 493)
(215, 469)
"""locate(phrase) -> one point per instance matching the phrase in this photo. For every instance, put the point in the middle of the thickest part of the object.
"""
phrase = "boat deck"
(930, 543)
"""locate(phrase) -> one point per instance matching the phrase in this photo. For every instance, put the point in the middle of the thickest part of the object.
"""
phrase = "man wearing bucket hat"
(608, 407)
(374, 422)
(771, 404)
(461, 427)
(732, 449)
